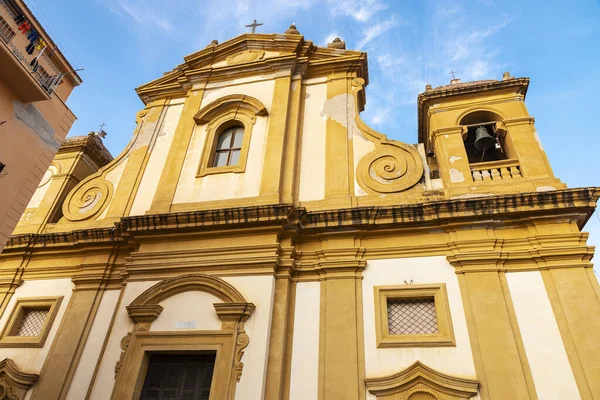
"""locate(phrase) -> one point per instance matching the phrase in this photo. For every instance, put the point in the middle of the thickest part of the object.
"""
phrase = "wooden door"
(179, 377)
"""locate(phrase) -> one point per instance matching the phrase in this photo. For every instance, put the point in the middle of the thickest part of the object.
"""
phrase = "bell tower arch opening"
(483, 140)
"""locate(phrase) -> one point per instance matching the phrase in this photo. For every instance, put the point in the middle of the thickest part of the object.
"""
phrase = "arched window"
(229, 147)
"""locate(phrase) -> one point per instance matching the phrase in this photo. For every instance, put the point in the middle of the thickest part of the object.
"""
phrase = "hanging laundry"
(19, 18)
(34, 64)
(33, 36)
(24, 27)
(40, 44)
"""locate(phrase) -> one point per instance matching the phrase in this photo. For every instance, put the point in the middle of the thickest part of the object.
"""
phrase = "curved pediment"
(234, 102)
(419, 381)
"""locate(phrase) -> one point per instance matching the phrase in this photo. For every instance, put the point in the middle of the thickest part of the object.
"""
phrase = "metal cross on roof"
(253, 26)
(452, 73)
(102, 125)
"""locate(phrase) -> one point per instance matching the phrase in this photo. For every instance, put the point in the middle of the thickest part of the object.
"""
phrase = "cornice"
(90, 144)
(577, 204)
(294, 54)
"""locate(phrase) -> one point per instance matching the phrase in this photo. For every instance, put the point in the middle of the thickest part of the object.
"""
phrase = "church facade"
(257, 240)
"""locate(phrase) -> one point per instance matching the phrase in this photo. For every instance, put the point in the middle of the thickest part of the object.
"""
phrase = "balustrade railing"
(45, 72)
(496, 170)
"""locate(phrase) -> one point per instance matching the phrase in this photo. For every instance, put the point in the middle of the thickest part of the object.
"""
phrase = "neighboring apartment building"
(257, 240)
(35, 81)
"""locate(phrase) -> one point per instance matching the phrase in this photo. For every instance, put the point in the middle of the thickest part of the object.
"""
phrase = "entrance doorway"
(179, 377)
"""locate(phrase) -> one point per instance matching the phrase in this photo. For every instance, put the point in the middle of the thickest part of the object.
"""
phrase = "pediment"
(418, 381)
(249, 54)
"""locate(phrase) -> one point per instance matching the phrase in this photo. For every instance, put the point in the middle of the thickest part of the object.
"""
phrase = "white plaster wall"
(93, 346)
(31, 360)
(156, 163)
(312, 159)
(258, 290)
(105, 379)
(40, 192)
(188, 311)
(552, 374)
(226, 185)
(455, 361)
(304, 382)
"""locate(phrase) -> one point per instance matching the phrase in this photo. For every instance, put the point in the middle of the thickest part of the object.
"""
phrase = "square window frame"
(445, 335)
(8, 337)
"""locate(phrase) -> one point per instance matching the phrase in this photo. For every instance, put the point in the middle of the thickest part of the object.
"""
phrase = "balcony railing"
(496, 170)
(45, 73)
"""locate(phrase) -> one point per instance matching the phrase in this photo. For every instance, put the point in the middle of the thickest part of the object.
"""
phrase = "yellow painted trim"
(518, 338)
(271, 179)
(437, 292)
(9, 337)
(213, 131)
(568, 340)
(419, 381)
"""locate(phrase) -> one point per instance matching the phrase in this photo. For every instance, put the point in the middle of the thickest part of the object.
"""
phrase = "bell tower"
(480, 138)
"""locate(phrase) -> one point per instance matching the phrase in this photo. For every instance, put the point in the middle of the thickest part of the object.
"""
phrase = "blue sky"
(125, 43)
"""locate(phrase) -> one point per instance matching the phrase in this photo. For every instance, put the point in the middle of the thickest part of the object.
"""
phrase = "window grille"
(412, 316)
(33, 322)
(6, 32)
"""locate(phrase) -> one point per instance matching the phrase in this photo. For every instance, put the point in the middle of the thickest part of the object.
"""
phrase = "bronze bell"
(483, 140)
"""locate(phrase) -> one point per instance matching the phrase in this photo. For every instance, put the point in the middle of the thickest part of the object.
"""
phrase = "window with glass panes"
(229, 146)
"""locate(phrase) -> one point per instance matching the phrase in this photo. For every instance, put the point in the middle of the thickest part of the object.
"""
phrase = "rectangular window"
(413, 316)
(179, 377)
(30, 321)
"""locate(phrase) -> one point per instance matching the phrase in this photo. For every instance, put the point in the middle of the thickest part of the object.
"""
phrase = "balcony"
(496, 170)
(28, 83)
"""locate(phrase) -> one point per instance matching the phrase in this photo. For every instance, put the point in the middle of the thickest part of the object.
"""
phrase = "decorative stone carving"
(233, 312)
(245, 56)
(419, 382)
(337, 44)
(243, 340)
(125, 340)
(392, 167)
(13, 382)
(292, 30)
(87, 200)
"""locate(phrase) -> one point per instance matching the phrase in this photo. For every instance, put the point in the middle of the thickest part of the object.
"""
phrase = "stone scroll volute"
(392, 167)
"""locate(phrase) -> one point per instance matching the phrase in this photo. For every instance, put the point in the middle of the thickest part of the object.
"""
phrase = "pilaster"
(125, 192)
(272, 169)
(341, 341)
(337, 144)
(291, 154)
(573, 293)
(451, 156)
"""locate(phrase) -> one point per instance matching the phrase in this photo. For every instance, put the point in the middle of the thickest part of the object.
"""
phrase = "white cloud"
(373, 31)
(360, 10)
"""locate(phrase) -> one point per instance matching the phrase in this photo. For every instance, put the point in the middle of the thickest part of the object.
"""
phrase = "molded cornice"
(577, 204)
(295, 55)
